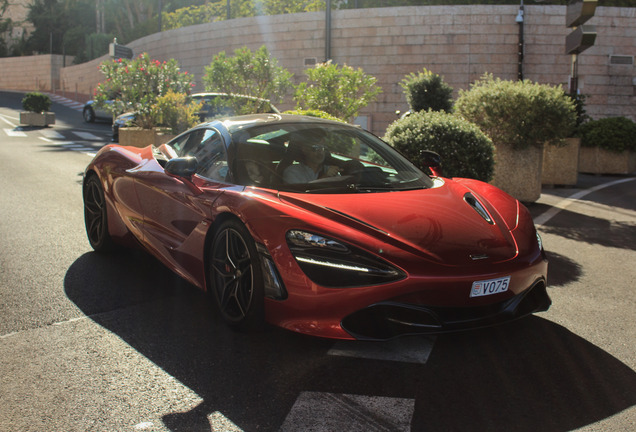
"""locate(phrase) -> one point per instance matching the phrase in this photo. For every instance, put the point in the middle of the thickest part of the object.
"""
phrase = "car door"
(176, 212)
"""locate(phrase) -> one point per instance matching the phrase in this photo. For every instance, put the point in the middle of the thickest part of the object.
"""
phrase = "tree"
(131, 18)
(217, 11)
(341, 91)
(51, 22)
(248, 73)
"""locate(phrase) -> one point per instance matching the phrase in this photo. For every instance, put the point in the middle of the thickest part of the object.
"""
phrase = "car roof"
(234, 123)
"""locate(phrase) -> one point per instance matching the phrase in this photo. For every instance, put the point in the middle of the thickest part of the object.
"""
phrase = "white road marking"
(14, 133)
(87, 136)
(8, 120)
(77, 106)
(543, 218)
(327, 412)
(51, 134)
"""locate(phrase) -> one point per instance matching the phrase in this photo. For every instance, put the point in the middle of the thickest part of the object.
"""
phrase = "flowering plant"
(135, 85)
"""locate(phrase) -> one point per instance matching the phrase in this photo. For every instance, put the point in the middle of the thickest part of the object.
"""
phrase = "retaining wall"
(459, 42)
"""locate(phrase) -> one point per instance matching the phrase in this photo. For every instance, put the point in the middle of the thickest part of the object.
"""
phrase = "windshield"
(321, 158)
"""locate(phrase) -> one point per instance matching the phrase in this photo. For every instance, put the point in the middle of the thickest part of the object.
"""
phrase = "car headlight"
(331, 263)
(540, 241)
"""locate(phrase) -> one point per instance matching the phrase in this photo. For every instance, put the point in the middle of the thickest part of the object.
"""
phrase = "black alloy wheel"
(236, 276)
(95, 216)
(89, 115)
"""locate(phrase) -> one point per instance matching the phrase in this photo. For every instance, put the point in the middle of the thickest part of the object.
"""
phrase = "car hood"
(449, 224)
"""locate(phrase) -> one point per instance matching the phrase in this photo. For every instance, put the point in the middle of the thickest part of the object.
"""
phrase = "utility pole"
(578, 12)
(99, 16)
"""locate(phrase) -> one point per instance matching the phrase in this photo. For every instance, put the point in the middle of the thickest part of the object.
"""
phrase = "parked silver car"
(92, 113)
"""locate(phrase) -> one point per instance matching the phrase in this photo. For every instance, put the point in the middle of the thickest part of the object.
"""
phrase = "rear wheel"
(237, 277)
(95, 216)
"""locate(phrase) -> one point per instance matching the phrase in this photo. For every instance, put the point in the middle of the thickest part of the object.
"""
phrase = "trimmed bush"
(465, 150)
(518, 113)
(427, 91)
(36, 102)
(615, 134)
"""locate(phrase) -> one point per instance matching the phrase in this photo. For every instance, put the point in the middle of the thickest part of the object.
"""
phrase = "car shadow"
(562, 270)
(528, 375)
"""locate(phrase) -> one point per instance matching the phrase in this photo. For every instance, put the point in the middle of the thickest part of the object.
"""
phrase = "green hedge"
(614, 133)
(518, 113)
(427, 90)
(465, 150)
(36, 102)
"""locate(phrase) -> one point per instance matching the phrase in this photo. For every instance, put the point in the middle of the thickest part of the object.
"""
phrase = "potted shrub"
(36, 110)
(135, 86)
(465, 150)
(520, 117)
(561, 163)
(608, 146)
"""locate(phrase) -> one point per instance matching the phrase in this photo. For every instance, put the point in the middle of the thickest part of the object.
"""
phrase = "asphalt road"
(117, 343)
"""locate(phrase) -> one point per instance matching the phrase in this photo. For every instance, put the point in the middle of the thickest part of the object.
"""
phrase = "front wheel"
(89, 115)
(236, 276)
(95, 216)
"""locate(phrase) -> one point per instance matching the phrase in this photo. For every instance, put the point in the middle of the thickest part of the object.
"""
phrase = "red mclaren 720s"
(319, 227)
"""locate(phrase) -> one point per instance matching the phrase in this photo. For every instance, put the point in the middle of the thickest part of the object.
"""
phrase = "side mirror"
(431, 160)
(182, 166)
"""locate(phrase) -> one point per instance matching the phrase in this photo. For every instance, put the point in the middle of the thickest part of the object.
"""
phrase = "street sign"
(120, 51)
(579, 12)
(580, 39)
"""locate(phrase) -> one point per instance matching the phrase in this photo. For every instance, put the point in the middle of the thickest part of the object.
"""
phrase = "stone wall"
(41, 73)
(459, 42)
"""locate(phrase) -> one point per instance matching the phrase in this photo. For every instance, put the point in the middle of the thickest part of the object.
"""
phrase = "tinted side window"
(211, 156)
(184, 144)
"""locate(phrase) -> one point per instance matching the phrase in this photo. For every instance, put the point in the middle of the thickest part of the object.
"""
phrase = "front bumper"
(387, 320)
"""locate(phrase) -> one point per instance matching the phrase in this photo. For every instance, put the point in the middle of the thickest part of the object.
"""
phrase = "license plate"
(490, 287)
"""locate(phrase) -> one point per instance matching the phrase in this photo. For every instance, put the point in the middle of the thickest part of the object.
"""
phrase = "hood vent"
(479, 208)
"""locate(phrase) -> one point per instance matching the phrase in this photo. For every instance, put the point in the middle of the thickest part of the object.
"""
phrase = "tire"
(96, 217)
(89, 115)
(236, 277)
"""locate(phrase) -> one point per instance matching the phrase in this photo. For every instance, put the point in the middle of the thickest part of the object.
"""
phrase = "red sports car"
(319, 227)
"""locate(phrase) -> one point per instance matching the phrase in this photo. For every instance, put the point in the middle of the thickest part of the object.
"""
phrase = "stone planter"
(42, 119)
(561, 164)
(138, 137)
(595, 160)
(163, 137)
(518, 172)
